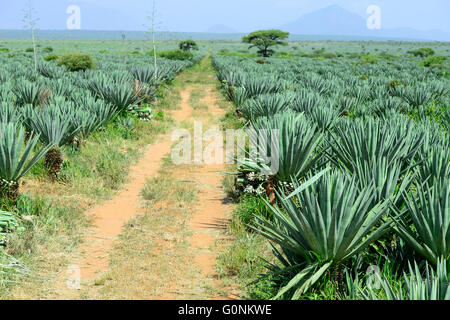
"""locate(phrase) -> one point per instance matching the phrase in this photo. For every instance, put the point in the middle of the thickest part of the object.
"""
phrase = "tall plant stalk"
(30, 23)
(153, 26)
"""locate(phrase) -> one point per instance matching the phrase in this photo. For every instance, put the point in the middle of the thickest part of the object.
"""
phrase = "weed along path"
(159, 237)
(109, 219)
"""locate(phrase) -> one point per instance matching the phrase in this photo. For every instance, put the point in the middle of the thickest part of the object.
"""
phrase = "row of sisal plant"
(347, 87)
(373, 180)
(42, 111)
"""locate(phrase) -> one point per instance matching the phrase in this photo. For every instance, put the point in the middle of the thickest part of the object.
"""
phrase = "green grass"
(230, 120)
(101, 166)
(195, 100)
(49, 229)
(165, 186)
(250, 206)
(241, 261)
(52, 213)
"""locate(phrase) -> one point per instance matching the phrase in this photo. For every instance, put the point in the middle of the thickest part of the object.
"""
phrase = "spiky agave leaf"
(54, 125)
(368, 140)
(307, 102)
(26, 92)
(382, 107)
(50, 70)
(362, 94)
(315, 82)
(16, 156)
(99, 109)
(325, 118)
(146, 74)
(434, 286)
(62, 87)
(438, 88)
(103, 112)
(389, 179)
(287, 146)
(56, 100)
(344, 104)
(239, 96)
(9, 113)
(87, 123)
(445, 118)
(321, 226)
(425, 226)
(262, 85)
(379, 92)
(435, 162)
(121, 97)
(98, 83)
(3, 76)
(267, 105)
(88, 120)
(120, 76)
(6, 93)
(26, 115)
(418, 95)
(83, 98)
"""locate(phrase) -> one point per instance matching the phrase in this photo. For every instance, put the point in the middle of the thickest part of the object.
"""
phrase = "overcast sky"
(199, 15)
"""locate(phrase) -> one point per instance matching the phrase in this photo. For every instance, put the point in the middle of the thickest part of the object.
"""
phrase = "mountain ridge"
(335, 20)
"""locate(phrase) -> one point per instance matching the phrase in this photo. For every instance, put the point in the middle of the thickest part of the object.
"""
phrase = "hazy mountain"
(220, 28)
(334, 20)
(409, 33)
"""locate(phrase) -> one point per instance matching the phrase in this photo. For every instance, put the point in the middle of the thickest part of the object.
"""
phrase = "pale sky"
(199, 15)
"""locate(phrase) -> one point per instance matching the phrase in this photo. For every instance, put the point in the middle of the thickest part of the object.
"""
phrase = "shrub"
(4, 50)
(433, 61)
(251, 206)
(368, 59)
(396, 83)
(422, 52)
(188, 45)
(47, 49)
(176, 55)
(282, 54)
(29, 50)
(76, 61)
(329, 55)
(51, 57)
(319, 52)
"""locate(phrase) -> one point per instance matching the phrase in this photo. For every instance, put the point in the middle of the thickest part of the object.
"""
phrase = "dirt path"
(210, 217)
(110, 217)
(205, 225)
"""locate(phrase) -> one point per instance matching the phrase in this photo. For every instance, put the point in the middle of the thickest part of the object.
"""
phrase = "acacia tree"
(30, 19)
(188, 45)
(264, 40)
